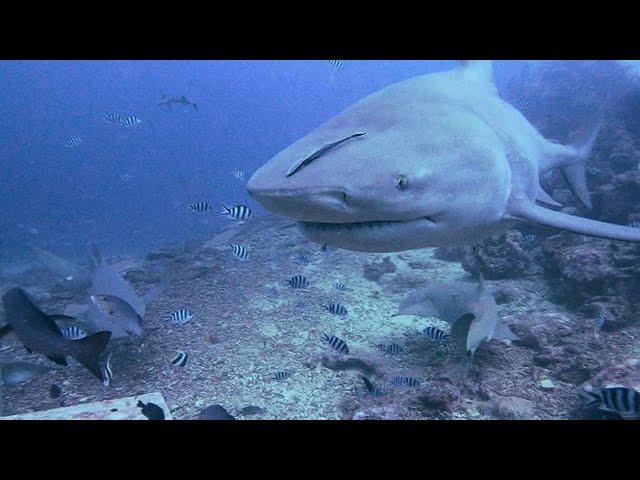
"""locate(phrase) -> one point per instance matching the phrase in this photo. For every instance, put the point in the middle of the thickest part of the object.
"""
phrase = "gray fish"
(470, 309)
(13, 373)
(39, 333)
(215, 412)
(168, 102)
(119, 313)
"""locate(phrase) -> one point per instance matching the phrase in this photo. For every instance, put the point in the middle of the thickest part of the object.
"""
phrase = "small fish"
(634, 225)
(282, 375)
(180, 317)
(435, 334)
(299, 281)
(151, 411)
(405, 382)
(73, 142)
(112, 118)
(215, 412)
(199, 207)
(620, 400)
(240, 252)
(601, 319)
(335, 309)
(130, 121)
(522, 104)
(239, 212)
(107, 374)
(73, 333)
(55, 391)
(252, 410)
(341, 287)
(126, 177)
(528, 238)
(180, 359)
(336, 343)
(238, 173)
(373, 390)
(336, 64)
(391, 349)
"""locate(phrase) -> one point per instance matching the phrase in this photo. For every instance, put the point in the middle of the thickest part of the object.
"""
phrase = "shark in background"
(435, 160)
(168, 101)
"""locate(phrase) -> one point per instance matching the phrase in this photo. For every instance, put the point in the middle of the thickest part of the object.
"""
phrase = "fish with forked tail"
(39, 333)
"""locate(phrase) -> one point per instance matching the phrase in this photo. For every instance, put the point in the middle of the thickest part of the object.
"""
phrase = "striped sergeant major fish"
(336, 343)
(180, 359)
(240, 252)
(391, 349)
(73, 142)
(238, 173)
(239, 212)
(335, 309)
(112, 119)
(373, 390)
(341, 287)
(130, 121)
(298, 281)
(634, 224)
(621, 400)
(73, 333)
(405, 381)
(282, 375)
(199, 207)
(336, 64)
(180, 317)
(435, 334)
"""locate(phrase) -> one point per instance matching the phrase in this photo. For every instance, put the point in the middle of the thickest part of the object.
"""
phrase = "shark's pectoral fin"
(527, 211)
(502, 331)
(460, 331)
(544, 197)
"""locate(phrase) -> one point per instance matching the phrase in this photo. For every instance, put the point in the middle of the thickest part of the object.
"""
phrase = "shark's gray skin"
(470, 309)
(168, 102)
(435, 160)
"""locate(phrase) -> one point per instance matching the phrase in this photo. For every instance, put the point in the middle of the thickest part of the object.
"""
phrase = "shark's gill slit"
(303, 162)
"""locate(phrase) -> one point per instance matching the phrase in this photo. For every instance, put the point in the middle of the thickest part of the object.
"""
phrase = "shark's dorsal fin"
(479, 72)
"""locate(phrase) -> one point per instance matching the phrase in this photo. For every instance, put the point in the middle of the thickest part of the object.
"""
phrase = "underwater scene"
(320, 240)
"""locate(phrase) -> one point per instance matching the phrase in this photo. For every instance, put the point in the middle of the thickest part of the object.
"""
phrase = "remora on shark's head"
(435, 160)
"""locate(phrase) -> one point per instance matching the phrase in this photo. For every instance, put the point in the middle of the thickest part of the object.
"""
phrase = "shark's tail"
(88, 350)
(574, 173)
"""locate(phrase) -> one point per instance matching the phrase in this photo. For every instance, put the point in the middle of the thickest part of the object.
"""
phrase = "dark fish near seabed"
(180, 359)
(14, 373)
(252, 410)
(151, 410)
(39, 333)
(55, 391)
(281, 375)
(372, 389)
(199, 207)
(239, 212)
(298, 281)
(405, 381)
(119, 312)
(73, 333)
(215, 412)
(435, 334)
(620, 400)
(336, 344)
(335, 309)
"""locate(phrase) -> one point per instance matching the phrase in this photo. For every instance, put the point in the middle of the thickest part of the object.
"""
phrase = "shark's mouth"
(370, 225)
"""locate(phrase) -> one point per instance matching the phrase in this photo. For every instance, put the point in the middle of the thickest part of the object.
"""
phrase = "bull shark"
(435, 160)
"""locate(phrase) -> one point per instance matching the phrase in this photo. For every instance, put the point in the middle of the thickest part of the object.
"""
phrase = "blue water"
(62, 198)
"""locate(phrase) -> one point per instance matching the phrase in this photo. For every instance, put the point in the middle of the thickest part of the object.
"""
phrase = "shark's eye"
(401, 182)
